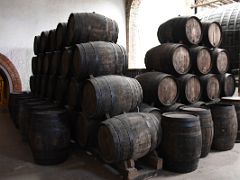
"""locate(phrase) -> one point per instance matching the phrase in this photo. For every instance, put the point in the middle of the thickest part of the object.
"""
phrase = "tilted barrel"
(168, 58)
(201, 60)
(99, 58)
(86, 27)
(49, 145)
(190, 88)
(225, 126)
(227, 83)
(206, 123)
(111, 95)
(61, 36)
(128, 136)
(220, 59)
(181, 29)
(158, 88)
(210, 87)
(181, 143)
(212, 34)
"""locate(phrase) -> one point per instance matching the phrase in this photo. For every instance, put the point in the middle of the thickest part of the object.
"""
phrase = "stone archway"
(11, 74)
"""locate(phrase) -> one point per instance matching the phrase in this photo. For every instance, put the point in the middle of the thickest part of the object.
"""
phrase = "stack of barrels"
(185, 72)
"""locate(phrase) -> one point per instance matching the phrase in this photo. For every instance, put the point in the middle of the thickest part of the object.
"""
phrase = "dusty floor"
(16, 163)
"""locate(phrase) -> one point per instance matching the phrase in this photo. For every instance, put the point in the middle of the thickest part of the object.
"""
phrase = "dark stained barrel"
(40, 59)
(111, 95)
(181, 142)
(52, 82)
(66, 67)
(220, 59)
(86, 131)
(168, 58)
(85, 27)
(158, 88)
(174, 107)
(61, 88)
(212, 34)
(181, 29)
(201, 60)
(55, 63)
(236, 102)
(49, 145)
(190, 88)
(32, 83)
(206, 127)
(99, 58)
(75, 94)
(225, 126)
(34, 65)
(43, 88)
(128, 136)
(52, 40)
(36, 45)
(210, 87)
(227, 83)
(43, 42)
(61, 35)
(47, 63)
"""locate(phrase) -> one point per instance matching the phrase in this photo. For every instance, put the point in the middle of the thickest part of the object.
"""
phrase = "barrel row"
(80, 28)
(191, 31)
(178, 59)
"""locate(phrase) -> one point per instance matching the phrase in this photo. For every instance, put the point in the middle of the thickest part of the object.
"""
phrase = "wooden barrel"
(40, 59)
(210, 87)
(111, 95)
(66, 68)
(182, 141)
(190, 88)
(86, 131)
(220, 61)
(43, 44)
(236, 102)
(174, 107)
(56, 62)
(49, 145)
(99, 58)
(61, 36)
(227, 83)
(201, 60)
(52, 40)
(158, 88)
(51, 85)
(75, 94)
(61, 90)
(86, 27)
(47, 63)
(206, 123)
(43, 88)
(181, 29)
(32, 83)
(36, 45)
(34, 65)
(145, 108)
(225, 126)
(169, 58)
(212, 34)
(128, 136)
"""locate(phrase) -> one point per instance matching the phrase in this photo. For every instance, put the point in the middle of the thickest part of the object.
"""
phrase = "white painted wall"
(21, 20)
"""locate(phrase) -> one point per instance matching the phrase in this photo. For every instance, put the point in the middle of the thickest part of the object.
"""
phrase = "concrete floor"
(16, 163)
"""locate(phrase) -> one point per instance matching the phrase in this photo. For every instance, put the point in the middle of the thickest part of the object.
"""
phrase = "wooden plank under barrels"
(181, 143)
(99, 58)
(225, 126)
(158, 88)
(201, 60)
(168, 58)
(181, 29)
(111, 95)
(128, 136)
(86, 27)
